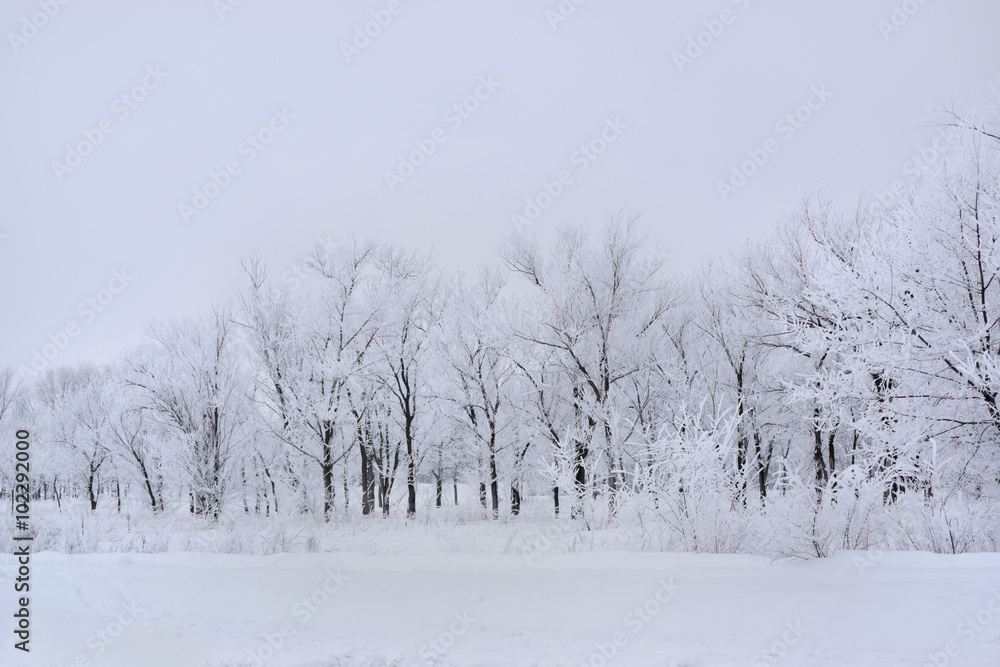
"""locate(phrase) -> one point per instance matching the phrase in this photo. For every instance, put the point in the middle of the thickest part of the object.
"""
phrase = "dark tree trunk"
(274, 490)
(832, 451)
(243, 478)
(383, 497)
(407, 403)
(347, 491)
(90, 489)
(613, 471)
(149, 486)
(370, 484)
(367, 478)
(327, 467)
(820, 464)
(328, 491)
(762, 466)
(742, 446)
(742, 441)
(494, 489)
(267, 501)
(411, 488)
(579, 478)
(580, 453)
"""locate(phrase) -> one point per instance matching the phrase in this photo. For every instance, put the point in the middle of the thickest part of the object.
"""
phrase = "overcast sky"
(200, 78)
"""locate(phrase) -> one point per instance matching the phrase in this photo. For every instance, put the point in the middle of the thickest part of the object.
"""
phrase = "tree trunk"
(830, 448)
(370, 484)
(494, 490)
(821, 471)
(274, 490)
(411, 487)
(90, 489)
(383, 499)
(762, 467)
(580, 452)
(367, 478)
(613, 471)
(742, 447)
(579, 478)
(243, 479)
(328, 491)
(411, 471)
(267, 504)
(327, 468)
(347, 491)
(149, 486)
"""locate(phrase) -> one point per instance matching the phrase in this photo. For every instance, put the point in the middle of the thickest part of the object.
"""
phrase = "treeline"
(851, 360)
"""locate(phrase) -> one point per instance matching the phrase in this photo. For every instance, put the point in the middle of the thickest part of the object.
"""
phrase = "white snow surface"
(402, 608)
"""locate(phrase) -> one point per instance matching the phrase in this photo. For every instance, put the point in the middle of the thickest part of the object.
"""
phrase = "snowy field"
(418, 604)
(510, 334)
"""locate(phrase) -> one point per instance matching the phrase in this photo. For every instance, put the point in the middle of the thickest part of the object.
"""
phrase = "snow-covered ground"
(420, 605)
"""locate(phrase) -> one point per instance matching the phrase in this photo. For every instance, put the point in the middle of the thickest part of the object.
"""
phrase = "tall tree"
(596, 306)
(191, 383)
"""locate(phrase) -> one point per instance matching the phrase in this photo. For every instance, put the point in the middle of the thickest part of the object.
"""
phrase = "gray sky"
(196, 86)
